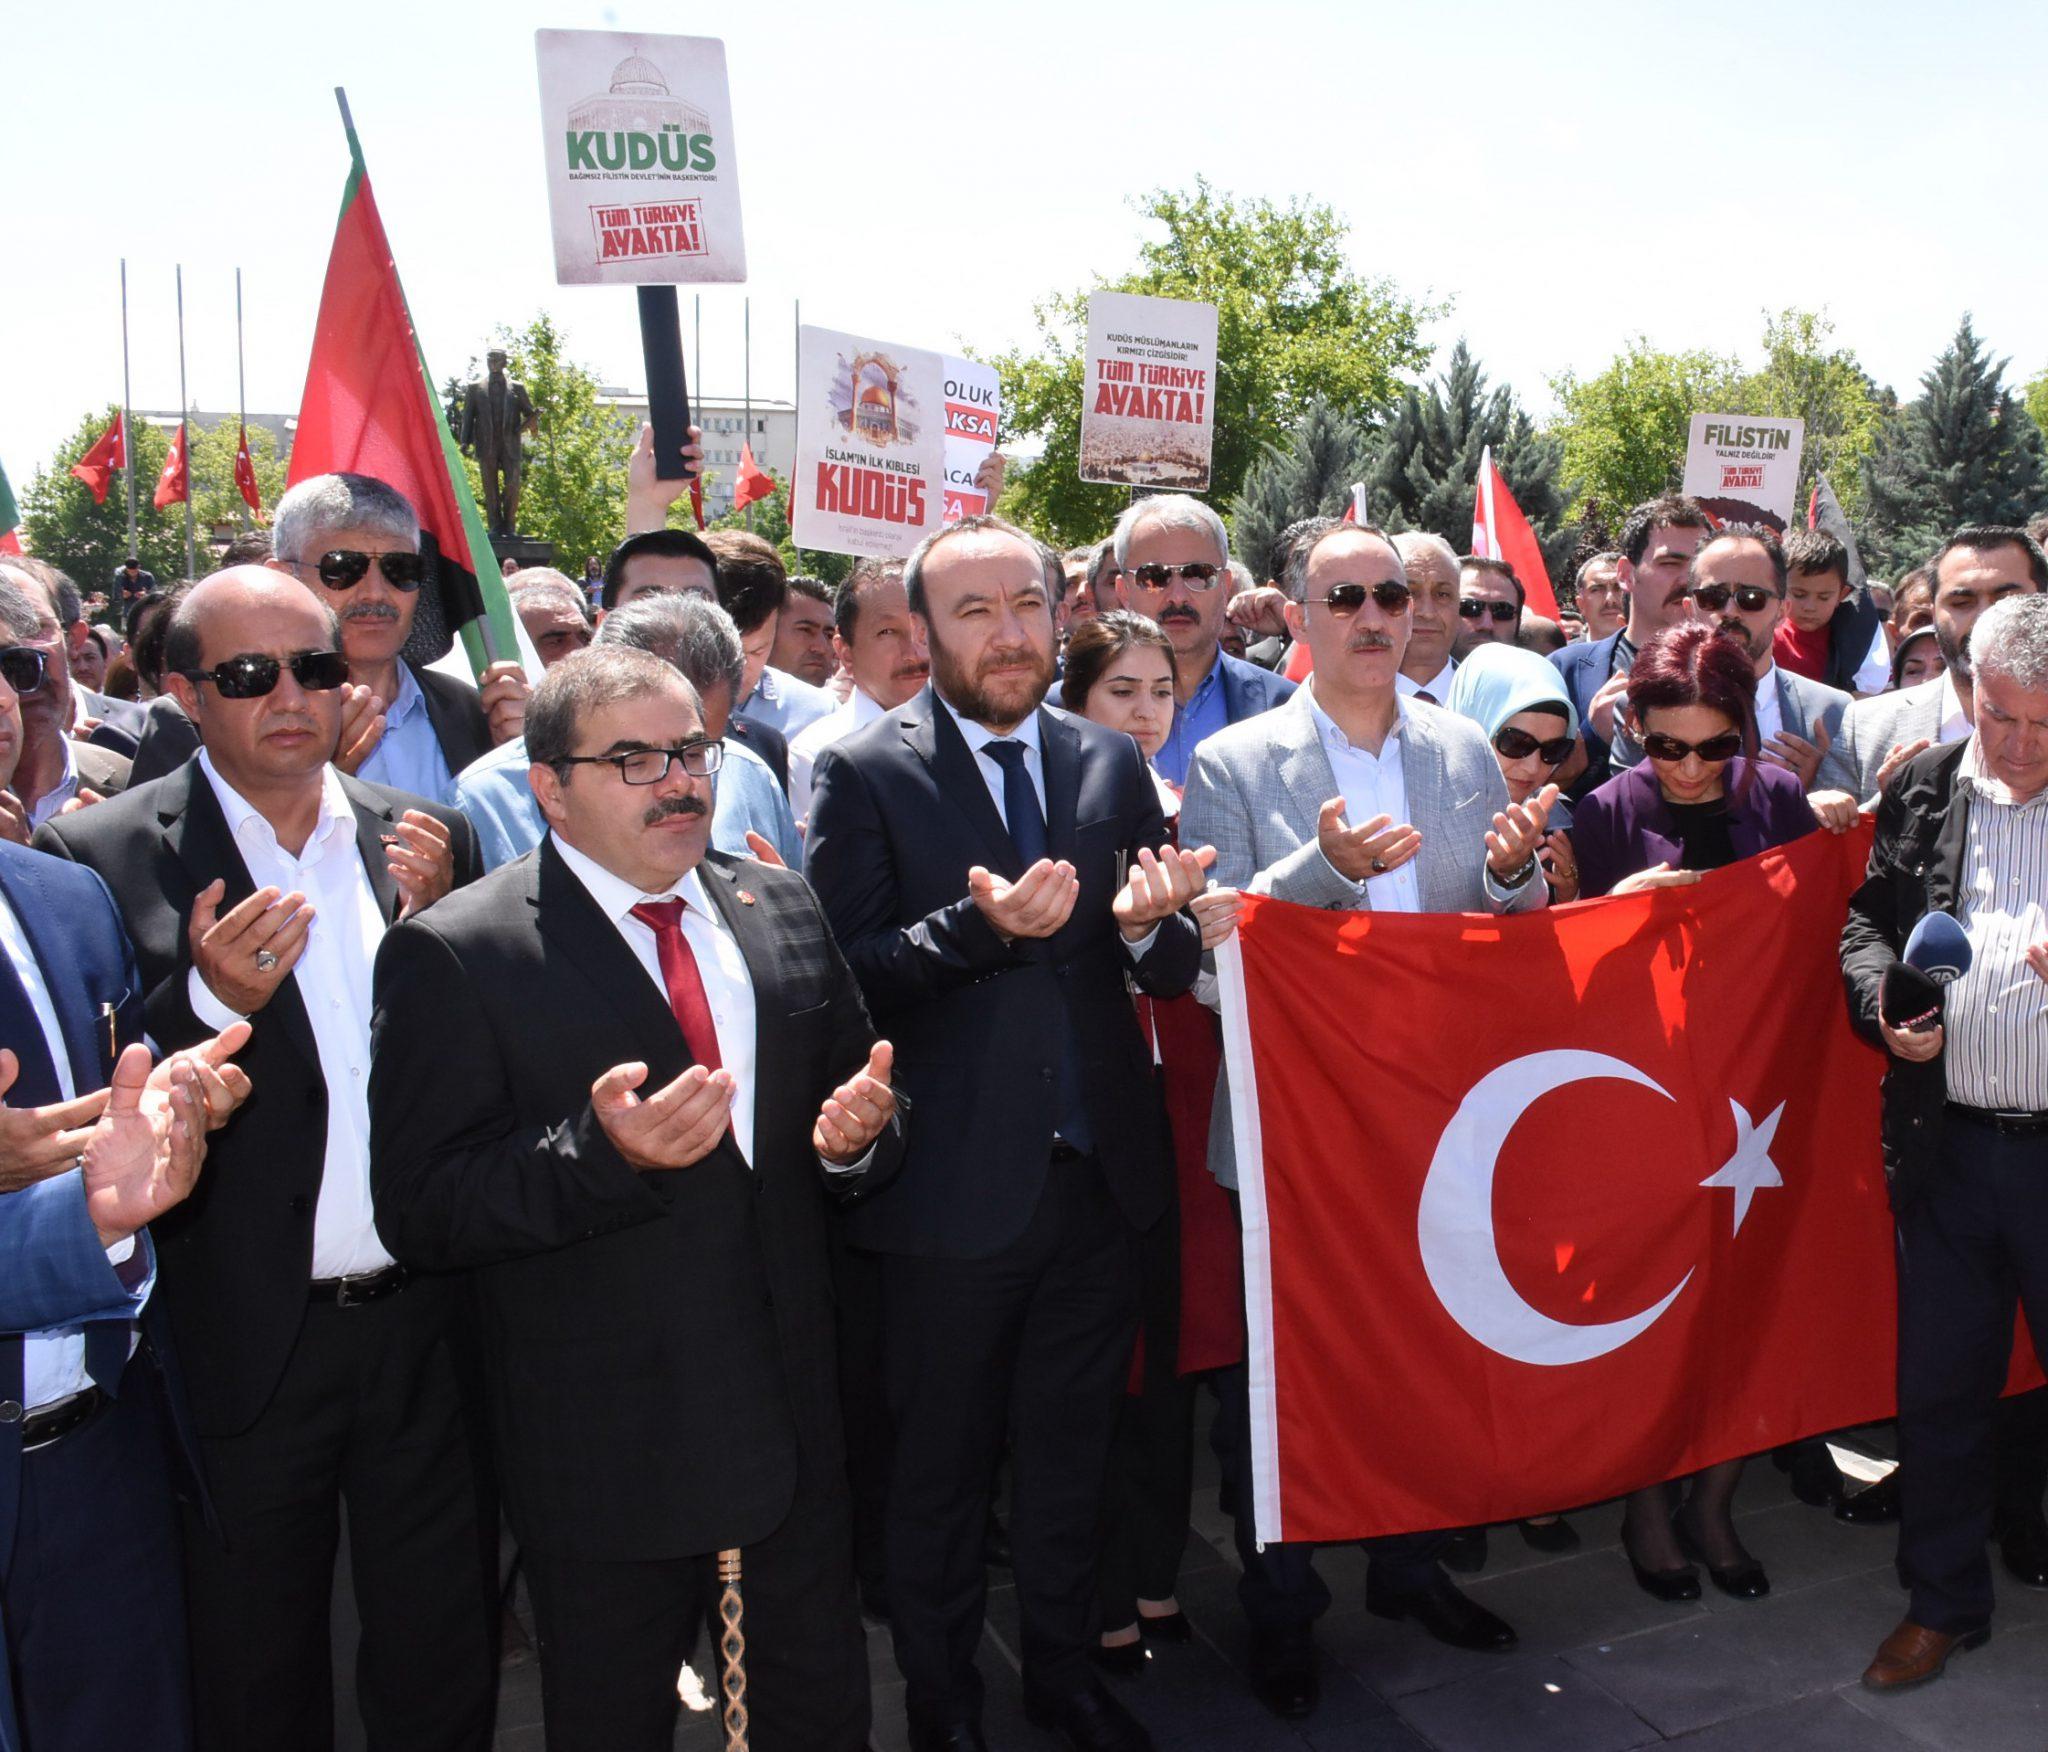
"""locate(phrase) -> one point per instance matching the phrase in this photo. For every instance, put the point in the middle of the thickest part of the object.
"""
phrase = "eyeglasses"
(1197, 575)
(1750, 598)
(345, 568)
(1345, 600)
(1671, 751)
(252, 675)
(1473, 607)
(1512, 744)
(24, 668)
(649, 766)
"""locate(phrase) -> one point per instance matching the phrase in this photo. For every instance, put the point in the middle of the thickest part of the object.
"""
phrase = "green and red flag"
(96, 467)
(10, 518)
(369, 408)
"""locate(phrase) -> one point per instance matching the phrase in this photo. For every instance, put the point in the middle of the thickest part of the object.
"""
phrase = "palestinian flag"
(370, 408)
(10, 518)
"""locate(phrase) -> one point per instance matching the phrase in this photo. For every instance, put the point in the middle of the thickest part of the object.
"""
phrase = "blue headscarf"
(1497, 681)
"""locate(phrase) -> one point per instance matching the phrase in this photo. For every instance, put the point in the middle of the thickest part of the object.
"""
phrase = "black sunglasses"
(1512, 744)
(1669, 749)
(24, 668)
(649, 766)
(1472, 607)
(1750, 598)
(1345, 600)
(345, 568)
(1197, 575)
(252, 675)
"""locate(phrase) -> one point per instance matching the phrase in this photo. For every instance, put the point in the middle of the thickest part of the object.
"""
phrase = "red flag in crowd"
(1628, 1222)
(96, 467)
(245, 474)
(174, 485)
(752, 483)
(10, 518)
(1355, 506)
(1501, 532)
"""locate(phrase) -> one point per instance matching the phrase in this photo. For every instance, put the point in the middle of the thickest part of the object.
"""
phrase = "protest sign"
(1744, 468)
(870, 474)
(1148, 413)
(642, 180)
(974, 411)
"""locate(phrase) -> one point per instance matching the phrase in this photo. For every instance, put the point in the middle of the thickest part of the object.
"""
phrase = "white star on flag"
(1751, 1166)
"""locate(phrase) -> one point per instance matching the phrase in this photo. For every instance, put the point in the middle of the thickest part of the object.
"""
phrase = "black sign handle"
(668, 388)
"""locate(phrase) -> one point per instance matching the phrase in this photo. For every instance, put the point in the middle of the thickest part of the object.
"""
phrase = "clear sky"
(1568, 175)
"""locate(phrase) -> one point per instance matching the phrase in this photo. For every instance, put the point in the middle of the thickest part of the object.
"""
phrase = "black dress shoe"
(1465, 1550)
(952, 1737)
(1876, 1505)
(1089, 1720)
(1168, 1627)
(2023, 1547)
(1283, 1673)
(1675, 1587)
(1125, 1660)
(1552, 1537)
(1743, 1581)
(1448, 1615)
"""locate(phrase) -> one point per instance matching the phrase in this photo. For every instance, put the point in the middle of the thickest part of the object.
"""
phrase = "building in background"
(726, 424)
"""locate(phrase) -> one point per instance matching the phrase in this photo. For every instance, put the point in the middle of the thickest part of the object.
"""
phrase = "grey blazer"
(1256, 788)
(1804, 706)
(1873, 727)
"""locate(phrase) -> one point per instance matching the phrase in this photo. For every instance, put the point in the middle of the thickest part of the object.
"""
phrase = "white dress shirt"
(333, 979)
(1874, 674)
(53, 1359)
(728, 987)
(1955, 722)
(1770, 714)
(1438, 687)
(59, 794)
(1373, 784)
(856, 713)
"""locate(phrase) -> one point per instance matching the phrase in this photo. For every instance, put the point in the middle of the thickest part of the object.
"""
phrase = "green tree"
(1844, 410)
(769, 519)
(1425, 470)
(1624, 429)
(217, 503)
(62, 524)
(2037, 399)
(1308, 474)
(1293, 322)
(1965, 452)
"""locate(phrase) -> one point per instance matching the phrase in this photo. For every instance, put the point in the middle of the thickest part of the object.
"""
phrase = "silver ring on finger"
(265, 961)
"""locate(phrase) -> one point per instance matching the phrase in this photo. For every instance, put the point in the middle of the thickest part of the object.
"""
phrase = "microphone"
(1937, 954)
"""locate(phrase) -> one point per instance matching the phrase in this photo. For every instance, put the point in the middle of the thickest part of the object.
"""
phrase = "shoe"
(1125, 1660)
(1815, 1478)
(1448, 1615)
(1283, 1673)
(1876, 1505)
(1742, 1581)
(1465, 1551)
(1089, 1721)
(2023, 1546)
(1913, 1654)
(995, 1542)
(1168, 1627)
(1553, 1537)
(952, 1737)
(1675, 1587)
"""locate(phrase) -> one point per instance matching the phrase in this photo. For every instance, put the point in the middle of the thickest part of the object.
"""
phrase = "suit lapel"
(1789, 715)
(573, 922)
(36, 910)
(936, 740)
(1059, 749)
(374, 819)
(1303, 763)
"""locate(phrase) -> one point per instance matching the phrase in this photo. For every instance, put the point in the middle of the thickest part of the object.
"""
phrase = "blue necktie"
(1026, 822)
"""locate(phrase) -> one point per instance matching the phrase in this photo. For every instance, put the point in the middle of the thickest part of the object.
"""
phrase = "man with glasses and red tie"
(1173, 566)
(1353, 796)
(621, 1081)
(255, 883)
(356, 541)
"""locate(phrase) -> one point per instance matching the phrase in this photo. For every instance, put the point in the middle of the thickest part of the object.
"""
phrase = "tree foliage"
(1624, 428)
(62, 524)
(1804, 378)
(1307, 474)
(1293, 321)
(217, 503)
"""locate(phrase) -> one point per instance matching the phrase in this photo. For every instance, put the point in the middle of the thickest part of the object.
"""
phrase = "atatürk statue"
(494, 415)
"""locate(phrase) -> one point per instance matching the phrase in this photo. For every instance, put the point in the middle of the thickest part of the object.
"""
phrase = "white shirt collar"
(1970, 769)
(979, 736)
(864, 707)
(1438, 686)
(1954, 722)
(616, 897)
(243, 816)
(1327, 727)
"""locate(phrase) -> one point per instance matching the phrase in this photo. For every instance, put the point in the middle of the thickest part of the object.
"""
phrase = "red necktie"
(679, 973)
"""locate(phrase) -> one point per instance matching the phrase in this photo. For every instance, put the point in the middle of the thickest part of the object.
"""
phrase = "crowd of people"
(757, 1087)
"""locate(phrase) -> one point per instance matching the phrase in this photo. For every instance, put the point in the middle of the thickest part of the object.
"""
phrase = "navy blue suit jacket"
(1249, 690)
(1586, 669)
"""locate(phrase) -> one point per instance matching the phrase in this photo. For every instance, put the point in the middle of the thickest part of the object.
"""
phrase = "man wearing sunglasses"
(1353, 796)
(1737, 581)
(356, 541)
(256, 882)
(1173, 566)
(1490, 602)
(51, 771)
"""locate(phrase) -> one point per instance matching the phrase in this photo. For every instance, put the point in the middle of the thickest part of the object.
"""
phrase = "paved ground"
(1601, 1667)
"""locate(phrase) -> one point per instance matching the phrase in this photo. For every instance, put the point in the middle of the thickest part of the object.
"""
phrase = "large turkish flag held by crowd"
(1542, 1209)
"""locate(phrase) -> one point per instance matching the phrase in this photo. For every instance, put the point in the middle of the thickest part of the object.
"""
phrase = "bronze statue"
(494, 415)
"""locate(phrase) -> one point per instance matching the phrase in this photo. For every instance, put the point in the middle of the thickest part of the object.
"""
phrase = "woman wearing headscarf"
(1519, 700)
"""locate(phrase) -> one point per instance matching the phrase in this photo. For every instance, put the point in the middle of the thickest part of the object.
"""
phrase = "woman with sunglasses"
(1519, 700)
(1699, 801)
(1120, 673)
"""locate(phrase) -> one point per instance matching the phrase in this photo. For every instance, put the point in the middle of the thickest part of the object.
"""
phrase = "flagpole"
(796, 378)
(127, 413)
(184, 408)
(747, 383)
(241, 383)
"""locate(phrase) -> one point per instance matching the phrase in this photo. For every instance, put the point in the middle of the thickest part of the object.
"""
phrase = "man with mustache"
(1431, 568)
(883, 650)
(1600, 596)
(995, 873)
(1490, 604)
(1173, 566)
(1357, 796)
(356, 541)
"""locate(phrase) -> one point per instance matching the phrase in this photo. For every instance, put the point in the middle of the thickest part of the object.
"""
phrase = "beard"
(1955, 650)
(993, 699)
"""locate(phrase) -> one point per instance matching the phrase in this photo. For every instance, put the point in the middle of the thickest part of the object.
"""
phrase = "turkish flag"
(1501, 532)
(1539, 1210)
(96, 467)
(245, 474)
(174, 485)
(752, 483)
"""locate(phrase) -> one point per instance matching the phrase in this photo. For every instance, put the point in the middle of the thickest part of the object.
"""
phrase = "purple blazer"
(1625, 826)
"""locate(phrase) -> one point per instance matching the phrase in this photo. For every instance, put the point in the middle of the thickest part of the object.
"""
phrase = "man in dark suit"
(615, 1080)
(254, 883)
(45, 768)
(356, 541)
(989, 869)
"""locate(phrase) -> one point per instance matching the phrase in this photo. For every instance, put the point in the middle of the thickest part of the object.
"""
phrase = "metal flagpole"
(241, 384)
(184, 430)
(747, 384)
(795, 398)
(127, 412)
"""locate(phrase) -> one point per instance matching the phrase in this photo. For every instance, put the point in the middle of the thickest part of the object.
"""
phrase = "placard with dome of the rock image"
(870, 474)
(643, 184)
